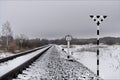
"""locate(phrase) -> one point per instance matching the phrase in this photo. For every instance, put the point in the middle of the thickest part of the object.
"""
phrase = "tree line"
(22, 42)
(18, 43)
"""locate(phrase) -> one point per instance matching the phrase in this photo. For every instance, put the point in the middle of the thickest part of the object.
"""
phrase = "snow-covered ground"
(5, 54)
(53, 65)
(11, 64)
(109, 59)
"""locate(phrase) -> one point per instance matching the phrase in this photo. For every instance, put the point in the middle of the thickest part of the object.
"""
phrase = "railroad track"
(21, 54)
(17, 63)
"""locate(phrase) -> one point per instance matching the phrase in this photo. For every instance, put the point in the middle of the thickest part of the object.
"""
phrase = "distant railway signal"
(68, 39)
(98, 19)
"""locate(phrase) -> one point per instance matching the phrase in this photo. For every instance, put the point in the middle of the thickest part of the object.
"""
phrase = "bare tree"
(22, 40)
(7, 33)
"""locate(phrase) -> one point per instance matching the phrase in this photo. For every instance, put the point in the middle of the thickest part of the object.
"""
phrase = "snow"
(6, 54)
(8, 66)
(109, 59)
(53, 65)
(37, 70)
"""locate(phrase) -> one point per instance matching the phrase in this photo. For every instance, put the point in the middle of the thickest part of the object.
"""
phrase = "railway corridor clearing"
(53, 65)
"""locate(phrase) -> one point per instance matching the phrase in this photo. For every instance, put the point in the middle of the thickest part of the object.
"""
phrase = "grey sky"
(55, 19)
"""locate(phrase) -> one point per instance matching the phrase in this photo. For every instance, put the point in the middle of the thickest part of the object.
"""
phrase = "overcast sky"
(54, 19)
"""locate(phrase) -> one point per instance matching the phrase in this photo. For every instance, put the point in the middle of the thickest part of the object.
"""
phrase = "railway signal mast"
(98, 19)
(68, 39)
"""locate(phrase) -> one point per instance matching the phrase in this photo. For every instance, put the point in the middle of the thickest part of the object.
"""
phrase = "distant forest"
(22, 42)
(105, 40)
(25, 43)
